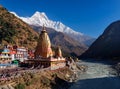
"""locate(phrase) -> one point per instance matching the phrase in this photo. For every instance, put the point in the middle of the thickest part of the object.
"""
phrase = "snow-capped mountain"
(40, 19)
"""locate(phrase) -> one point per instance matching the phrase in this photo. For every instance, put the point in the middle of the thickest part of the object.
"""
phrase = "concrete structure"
(21, 54)
(44, 56)
(5, 56)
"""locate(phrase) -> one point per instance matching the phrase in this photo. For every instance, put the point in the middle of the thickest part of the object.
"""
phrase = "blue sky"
(90, 17)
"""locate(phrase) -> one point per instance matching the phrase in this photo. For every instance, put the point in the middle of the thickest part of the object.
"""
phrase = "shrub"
(45, 81)
(20, 86)
(28, 83)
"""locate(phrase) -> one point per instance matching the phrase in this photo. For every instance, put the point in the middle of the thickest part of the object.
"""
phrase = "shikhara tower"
(43, 48)
(44, 55)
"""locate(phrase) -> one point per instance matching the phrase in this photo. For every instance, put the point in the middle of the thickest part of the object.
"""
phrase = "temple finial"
(43, 27)
(58, 52)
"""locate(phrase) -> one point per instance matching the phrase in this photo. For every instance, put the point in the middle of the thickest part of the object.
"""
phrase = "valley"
(99, 75)
(42, 52)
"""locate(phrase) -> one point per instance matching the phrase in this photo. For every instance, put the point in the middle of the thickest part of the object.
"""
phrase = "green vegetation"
(15, 31)
(20, 86)
(45, 81)
(7, 34)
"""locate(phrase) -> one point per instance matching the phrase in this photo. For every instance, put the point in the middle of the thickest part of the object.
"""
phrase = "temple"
(45, 56)
(43, 48)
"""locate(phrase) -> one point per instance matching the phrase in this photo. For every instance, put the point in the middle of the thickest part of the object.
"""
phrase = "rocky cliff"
(39, 79)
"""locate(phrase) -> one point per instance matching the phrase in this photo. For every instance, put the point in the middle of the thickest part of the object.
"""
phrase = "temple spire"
(43, 29)
(58, 52)
(43, 48)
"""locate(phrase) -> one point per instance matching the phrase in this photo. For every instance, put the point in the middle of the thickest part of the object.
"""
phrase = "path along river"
(99, 75)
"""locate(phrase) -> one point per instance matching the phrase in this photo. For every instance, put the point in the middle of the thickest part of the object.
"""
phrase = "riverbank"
(21, 78)
(45, 79)
(99, 75)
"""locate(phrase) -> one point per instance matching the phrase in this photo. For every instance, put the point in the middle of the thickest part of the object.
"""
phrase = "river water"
(99, 75)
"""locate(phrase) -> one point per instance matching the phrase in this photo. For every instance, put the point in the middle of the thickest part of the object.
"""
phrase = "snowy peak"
(14, 14)
(37, 19)
(40, 19)
(39, 15)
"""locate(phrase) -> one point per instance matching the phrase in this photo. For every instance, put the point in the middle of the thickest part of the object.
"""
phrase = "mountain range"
(107, 45)
(15, 31)
(40, 19)
(68, 45)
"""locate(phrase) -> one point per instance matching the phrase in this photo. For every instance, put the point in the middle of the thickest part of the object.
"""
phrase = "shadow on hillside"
(60, 84)
(98, 83)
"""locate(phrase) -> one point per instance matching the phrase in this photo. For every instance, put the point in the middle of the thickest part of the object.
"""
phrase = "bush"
(45, 81)
(28, 83)
(20, 86)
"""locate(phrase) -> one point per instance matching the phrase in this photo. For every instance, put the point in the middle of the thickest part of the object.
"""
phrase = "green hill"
(14, 31)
